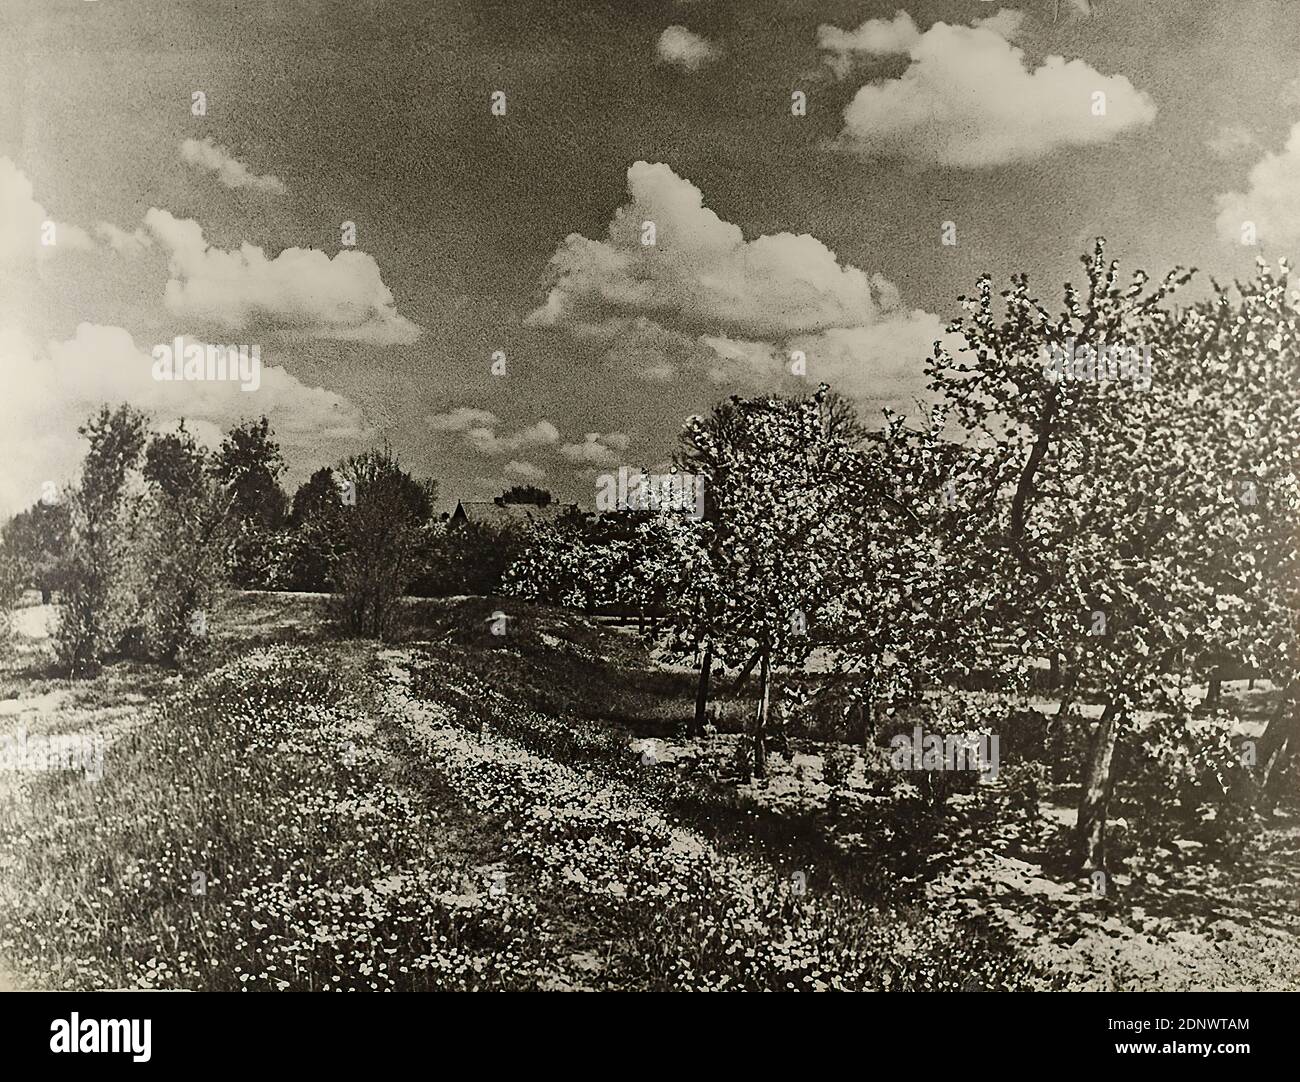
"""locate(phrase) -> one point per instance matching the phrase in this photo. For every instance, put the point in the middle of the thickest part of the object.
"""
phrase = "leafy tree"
(99, 599)
(1093, 509)
(384, 534)
(776, 472)
(900, 620)
(186, 514)
(249, 465)
(527, 494)
(37, 540)
(1245, 390)
(315, 540)
(559, 564)
(468, 558)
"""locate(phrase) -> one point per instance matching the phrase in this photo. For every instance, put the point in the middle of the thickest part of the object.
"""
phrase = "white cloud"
(462, 419)
(1231, 141)
(131, 244)
(705, 298)
(968, 100)
(23, 223)
(484, 439)
(478, 429)
(206, 154)
(301, 289)
(701, 271)
(1271, 200)
(50, 392)
(527, 472)
(596, 448)
(874, 38)
(881, 362)
(877, 38)
(687, 50)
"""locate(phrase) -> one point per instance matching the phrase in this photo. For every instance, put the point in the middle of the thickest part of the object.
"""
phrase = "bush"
(11, 592)
(257, 558)
(1188, 781)
(468, 558)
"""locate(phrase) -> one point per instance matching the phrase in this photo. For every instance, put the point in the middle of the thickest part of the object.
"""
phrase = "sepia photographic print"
(673, 495)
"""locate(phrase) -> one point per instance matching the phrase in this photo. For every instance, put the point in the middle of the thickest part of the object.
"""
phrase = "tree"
(249, 465)
(468, 558)
(776, 472)
(530, 494)
(663, 568)
(315, 540)
(37, 540)
(186, 514)
(99, 598)
(889, 629)
(1093, 508)
(561, 563)
(383, 534)
(1246, 387)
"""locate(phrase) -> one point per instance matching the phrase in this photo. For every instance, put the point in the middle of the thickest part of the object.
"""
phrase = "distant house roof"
(506, 515)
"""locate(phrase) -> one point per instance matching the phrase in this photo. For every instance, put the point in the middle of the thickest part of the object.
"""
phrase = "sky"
(130, 215)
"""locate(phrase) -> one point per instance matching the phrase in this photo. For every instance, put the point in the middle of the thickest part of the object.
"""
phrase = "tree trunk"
(1215, 692)
(1098, 783)
(749, 668)
(1054, 673)
(1277, 746)
(46, 594)
(702, 692)
(1067, 697)
(760, 714)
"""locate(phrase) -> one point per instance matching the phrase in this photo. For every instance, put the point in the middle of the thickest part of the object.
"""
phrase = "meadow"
(459, 809)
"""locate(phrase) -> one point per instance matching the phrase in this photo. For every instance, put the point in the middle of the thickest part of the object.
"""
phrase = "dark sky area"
(378, 113)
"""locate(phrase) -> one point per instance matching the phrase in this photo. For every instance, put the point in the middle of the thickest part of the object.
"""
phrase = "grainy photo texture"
(664, 495)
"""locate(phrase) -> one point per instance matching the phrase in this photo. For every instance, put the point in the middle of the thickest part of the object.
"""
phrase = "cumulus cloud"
(686, 49)
(596, 449)
(881, 361)
(541, 434)
(968, 99)
(25, 225)
(704, 296)
(301, 289)
(211, 156)
(132, 244)
(1271, 201)
(1231, 141)
(701, 272)
(53, 390)
(874, 38)
(478, 429)
(462, 419)
(526, 472)
(877, 38)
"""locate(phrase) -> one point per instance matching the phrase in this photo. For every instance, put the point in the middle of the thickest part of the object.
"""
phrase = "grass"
(471, 811)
